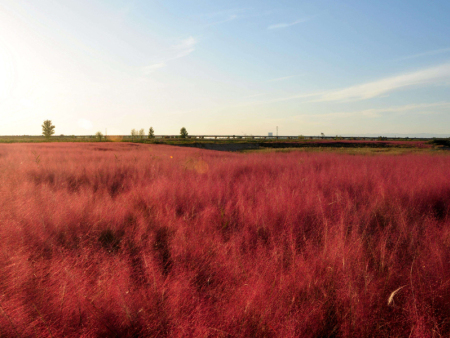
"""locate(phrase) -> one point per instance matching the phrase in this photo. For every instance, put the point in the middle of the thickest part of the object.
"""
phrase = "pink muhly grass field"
(126, 240)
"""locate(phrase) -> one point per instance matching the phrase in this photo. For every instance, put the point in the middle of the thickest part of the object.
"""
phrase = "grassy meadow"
(138, 240)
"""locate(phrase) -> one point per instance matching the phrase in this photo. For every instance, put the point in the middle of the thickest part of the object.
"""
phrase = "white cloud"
(285, 25)
(438, 75)
(421, 108)
(150, 69)
(180, 50)
(224, 12)
(228, 19)
(186, 43)
(434, 75)
(427, 53)
(186, 47)
(275, 100)
(375, 112)
(220, 17)
(293, 97)
(281, 78)
(255, 95)
(225, 16)
(85, 124)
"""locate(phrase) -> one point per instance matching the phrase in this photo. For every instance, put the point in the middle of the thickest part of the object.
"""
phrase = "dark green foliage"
(48, 129)
(99, 136)
(441, 142)
(151, 133)
(183, 133)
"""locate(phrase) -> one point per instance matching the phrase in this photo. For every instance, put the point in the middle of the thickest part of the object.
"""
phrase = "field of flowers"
(135, 240)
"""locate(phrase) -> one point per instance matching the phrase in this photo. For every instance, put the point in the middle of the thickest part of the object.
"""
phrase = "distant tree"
(183, 133)
(142, 133)
(133, 134)
(48, 129)
(151, 133)
(99, 136)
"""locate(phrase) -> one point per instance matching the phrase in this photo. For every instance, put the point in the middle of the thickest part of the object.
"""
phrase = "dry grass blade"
(391, 297)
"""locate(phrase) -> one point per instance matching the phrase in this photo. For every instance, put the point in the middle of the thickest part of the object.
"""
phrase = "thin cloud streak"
(275, 100)
(152, 68)
(377, 112)
(255, 95)
(224, 12)
(433, 75)
(286, 25)
(281, 78)
(428, 53)
(405, 108)
(238, 14)
(230, 18)
(224, 16)
(438, 75)
(184, 48)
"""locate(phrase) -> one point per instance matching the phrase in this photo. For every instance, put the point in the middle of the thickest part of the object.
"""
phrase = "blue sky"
(225, 67)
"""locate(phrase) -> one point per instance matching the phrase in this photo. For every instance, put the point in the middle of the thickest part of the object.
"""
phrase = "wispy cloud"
(227, 19)
(438, 75)
(186, 47)
(281, 78)
(221, 17)
(275, 100)
(225, 16)
(224, 13)
(154, 67)
(179, 50)
(255, 95)
(289, 24)
(427, 53)
(421, 108)
(429, 76)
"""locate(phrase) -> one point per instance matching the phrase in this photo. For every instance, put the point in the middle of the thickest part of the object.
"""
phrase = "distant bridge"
(225, 137)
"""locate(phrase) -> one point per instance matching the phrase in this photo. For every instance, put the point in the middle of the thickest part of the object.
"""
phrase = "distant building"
(270, 134)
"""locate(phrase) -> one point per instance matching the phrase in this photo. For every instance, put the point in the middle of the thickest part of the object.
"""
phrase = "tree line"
(48, 129)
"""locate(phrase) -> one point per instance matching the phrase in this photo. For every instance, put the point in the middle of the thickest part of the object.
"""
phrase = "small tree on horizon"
(151, 133)
(99, 136)
(48, 129)
(133, 134)
(142, 133)
(183, 133)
